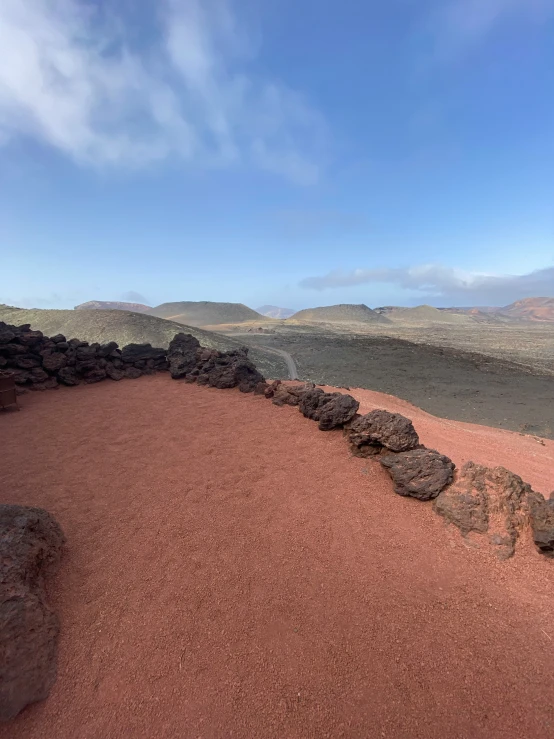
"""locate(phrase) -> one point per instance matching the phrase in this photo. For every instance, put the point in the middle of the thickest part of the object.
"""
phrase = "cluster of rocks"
(189, 360)
(31, 545)
(490, 502)
(40, 362)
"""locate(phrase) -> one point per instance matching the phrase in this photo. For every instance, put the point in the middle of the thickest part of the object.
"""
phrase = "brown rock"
(370, 433)
(113, 373)
(68, 376)
(31, 545)
(132, 373)
(419, 473)
(53, 362)
(331, 410)
(541, 517)
(289, 394)
(491, 501)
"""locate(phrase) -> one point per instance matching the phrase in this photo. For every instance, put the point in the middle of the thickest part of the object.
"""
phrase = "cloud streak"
(448, 285)
(74, 77)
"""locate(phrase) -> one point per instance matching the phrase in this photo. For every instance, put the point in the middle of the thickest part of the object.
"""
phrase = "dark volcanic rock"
(234, 369)
(288, 394)
(106, 350)
(6, 336)
(53, 362)
(113, 373)
(95, 375)
(133, 353)
(68, 376)
(58, 339)
(492, 501)
(132, 373)
(541, 517)
(331, 410)
(27, 361)
(368, 434)
(31, 546)
(419, 473)
(182, 355)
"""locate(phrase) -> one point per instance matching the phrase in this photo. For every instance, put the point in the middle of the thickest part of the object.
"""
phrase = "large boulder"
(54, 361)
(282, 394)
(331, 410)
(234, 369)
(379, 430)
(182, 355)
(133, 353)
(31, 545)
(541, 517)
(493, 502)
(419, 473)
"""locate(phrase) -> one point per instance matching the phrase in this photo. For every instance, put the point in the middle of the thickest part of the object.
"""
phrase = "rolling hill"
(343, 313)
(102, 326)
(112, 305)
(531, 309)
(205, 313)
(426, 314)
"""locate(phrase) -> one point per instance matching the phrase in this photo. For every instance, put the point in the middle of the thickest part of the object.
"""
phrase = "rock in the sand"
(54, 361)
(234, 369)
(282, 394)
(181, 355)
(331, 410)
(419, 473)
(379, 429)
(132, 373)
(68, 376)
(541, 518)
(31, 545)
(488, 501)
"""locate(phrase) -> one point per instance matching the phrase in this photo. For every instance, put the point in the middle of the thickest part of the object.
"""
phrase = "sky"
(294, 153)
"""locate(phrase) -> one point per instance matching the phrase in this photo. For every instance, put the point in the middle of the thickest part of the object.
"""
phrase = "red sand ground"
(233, 572)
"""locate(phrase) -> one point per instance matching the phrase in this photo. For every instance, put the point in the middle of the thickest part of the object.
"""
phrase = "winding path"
(291, 366)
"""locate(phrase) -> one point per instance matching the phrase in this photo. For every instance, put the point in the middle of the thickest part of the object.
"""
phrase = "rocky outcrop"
(370, 434)
(31, 545)
(494, 503)
(330, 410)
(541, 518)
(282, 394)
(38, 362)
(419, 473)
(182, 355)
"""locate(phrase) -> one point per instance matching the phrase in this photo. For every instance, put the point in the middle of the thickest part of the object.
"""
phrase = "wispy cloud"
(451, 286)
(134, 297)
(73, 75)
(461, 23)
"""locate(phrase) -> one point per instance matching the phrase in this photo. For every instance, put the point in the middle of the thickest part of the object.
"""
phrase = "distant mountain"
(343, 313)
(205, 313)
(112, 305)
(273, 311)
(538, 310)
(531, 309)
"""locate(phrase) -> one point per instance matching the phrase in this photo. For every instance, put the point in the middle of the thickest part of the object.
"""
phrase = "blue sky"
(269, 151)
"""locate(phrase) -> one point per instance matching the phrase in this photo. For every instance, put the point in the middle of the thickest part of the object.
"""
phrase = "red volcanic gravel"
(233, 572)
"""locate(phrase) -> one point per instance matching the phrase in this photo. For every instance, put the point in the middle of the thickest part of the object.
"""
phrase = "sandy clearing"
(233, 572)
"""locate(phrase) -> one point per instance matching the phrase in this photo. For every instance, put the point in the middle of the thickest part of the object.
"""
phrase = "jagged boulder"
(31, 546)
(68, 376)
(234, 369)
(541, 518)
(54, 361)
(489, 501)
(419, 473)
(182, 355)
(331, 410)
(134, 353)
(370, 434)
(282, 394)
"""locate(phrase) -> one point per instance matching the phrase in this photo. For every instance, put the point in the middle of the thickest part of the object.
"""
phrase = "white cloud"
(461, 23)
(452, 286)
(73, 76)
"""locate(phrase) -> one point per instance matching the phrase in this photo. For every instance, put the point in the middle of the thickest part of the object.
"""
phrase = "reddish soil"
(233, 572)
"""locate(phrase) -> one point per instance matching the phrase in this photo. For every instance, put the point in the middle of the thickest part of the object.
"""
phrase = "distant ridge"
(342, 313)
(205, 313)
(273, 311)
(113, 305)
